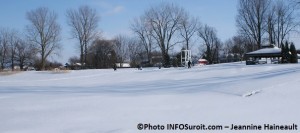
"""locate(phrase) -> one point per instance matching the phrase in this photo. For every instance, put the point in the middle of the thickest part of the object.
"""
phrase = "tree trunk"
(81, 57)
(85, 55)
(21, 65)
(43, 61)
(166, 60)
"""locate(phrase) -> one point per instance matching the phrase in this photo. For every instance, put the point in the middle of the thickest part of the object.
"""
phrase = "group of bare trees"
(35, 45)
(262, 22)
(160, 27)
(167, 25)
(43, 35)
(15, 50)
(96, 52)
(259, 22)
(83, 22)
(101, 54)
(106, 53)
(211, 42)
(40, 40)
(163, 21)
(266, 21)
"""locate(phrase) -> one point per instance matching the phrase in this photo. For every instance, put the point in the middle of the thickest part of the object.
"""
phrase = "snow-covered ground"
(107, 101)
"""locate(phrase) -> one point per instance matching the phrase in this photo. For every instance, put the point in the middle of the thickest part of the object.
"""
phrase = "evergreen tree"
(287, 53)
(294, 56)
(283, 55)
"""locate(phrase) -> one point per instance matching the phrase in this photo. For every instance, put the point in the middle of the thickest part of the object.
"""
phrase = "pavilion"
(271, 52)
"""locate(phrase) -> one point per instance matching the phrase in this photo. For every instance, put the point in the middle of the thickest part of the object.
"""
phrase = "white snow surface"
(107, 101)
(267, 51)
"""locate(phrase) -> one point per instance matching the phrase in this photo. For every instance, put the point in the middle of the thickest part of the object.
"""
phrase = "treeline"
(35, 45)
(17, 52)
(158, 31)
(14, 49)
(106, 53)
(259, 22)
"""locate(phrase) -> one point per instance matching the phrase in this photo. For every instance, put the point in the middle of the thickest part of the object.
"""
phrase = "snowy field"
(104, 101)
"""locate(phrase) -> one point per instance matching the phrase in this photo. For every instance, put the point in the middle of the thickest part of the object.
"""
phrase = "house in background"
(123, 65)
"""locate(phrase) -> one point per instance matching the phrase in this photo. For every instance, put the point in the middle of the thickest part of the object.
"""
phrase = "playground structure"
(186, 56)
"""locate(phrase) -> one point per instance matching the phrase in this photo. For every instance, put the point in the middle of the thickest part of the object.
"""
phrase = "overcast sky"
(116, 16)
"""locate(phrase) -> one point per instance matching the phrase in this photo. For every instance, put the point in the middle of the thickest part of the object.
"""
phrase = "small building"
(75, 66)
(273, 53)
(202, 62)
(123, 65)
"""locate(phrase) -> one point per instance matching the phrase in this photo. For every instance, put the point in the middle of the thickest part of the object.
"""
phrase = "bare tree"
(43, 32)
(4, 47)
(25, 53)
(135, 52)
(15, 49)
(164, 21)
(102, 54)
(211, 42)
(143, 30)
(277, 18)
(227, 47)
(251, 19)
(271, 22)
(121, 48)
(285, 21)
(237, 45)
(73, 60)
(1, 51)
(13, 41)
(83, 23)
(9, 40)
(188, 26)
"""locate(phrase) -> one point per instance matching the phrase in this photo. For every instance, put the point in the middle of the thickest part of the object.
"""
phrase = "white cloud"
(114, 33)
(117, 9)
(110, 8)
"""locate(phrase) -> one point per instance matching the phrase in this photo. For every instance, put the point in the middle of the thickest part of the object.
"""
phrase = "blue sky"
(116, 16)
